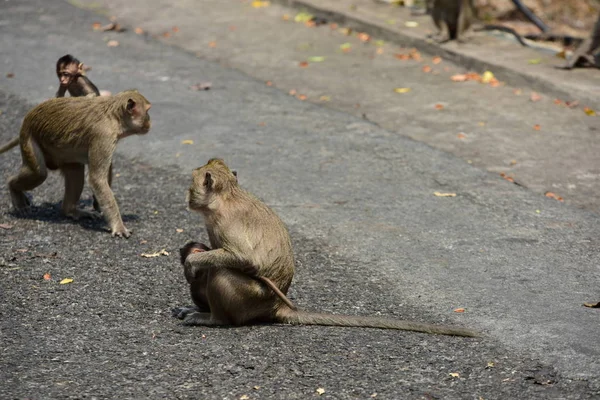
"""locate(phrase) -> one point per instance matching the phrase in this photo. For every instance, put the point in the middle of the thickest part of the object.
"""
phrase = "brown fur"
(248, 238)
(68, 132)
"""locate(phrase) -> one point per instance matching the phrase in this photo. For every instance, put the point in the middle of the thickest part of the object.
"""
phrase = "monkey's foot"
(21, 203)
(182, 312)
(121, 232)
(202, 319)
(77, 214)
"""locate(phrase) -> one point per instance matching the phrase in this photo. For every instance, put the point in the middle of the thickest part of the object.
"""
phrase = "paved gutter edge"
(511, 76)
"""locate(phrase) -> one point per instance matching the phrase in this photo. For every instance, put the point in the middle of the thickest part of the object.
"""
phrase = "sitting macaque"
(250, 242)
(197, 284)
(68, 132)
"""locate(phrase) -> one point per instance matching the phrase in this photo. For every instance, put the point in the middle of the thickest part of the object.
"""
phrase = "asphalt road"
(369, 235)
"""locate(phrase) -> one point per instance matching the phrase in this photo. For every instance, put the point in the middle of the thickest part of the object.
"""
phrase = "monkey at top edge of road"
(68, 132)
(249, 240)
(459, 15)
(71, 77)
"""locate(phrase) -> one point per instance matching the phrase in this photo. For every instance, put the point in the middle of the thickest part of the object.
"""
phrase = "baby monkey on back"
(72, 78)
(250, 242)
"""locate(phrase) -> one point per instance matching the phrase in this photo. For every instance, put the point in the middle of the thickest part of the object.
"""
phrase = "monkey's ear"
(234, 172)
(131, 106)
(208, 180)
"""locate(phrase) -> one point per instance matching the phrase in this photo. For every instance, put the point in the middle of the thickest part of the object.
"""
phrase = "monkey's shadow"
(51, 212)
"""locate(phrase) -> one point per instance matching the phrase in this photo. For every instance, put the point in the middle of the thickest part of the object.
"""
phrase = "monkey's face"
(68, 73)
(210, 182)
(137, 110)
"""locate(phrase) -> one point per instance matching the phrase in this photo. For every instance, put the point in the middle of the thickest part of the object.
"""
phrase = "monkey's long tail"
(309, 318)
(9, 145)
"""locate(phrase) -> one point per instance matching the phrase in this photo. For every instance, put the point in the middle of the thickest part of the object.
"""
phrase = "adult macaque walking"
(458, 16)
(249, 240)
(68, 132)
(588, 53)
(71, 77)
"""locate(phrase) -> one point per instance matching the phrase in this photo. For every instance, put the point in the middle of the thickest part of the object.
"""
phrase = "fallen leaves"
(461, 135)
(442, 194)
(113, 26)
(486, 78)
(592, 305)
(179, 230)
(411, 24)
(212, 44)
(187, 141)
(320, 391)
(47, 276)
(537, 127)
(363, 37)
(589, 111)
(506, 177)
(459, 310)
(413, 54)
(439, 106)
(138, 31)
(162, 252)
(346, 47)
(534, 97)
(303, 17)
(454, 374)
(402, 90)
(436, 60)
(303, 64)
(201, 86)
(66, 281)
(426, 69)
(316, 59)
(6, 226)
(112, 43)
(554, 196)
(10, 75)
(260, 4)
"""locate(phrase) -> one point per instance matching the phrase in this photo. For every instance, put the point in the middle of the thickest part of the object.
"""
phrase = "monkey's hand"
(218, 258)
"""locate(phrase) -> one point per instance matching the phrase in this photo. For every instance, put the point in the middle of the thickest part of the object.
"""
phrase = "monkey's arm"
(218, 258)
(61, 91)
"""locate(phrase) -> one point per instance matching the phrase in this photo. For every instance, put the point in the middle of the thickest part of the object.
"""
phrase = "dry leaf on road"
(65, 281)
(201, 86)
(592, 305)
(440, 194)
(163, 252)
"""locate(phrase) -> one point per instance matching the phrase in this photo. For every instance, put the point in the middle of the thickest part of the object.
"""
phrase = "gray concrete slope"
(360, 204)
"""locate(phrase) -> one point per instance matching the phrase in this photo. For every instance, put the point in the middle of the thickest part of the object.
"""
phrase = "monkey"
(588, 53)
(197, 286)
(72, 78)
(66, 133)
(248, 240)
(458, 15)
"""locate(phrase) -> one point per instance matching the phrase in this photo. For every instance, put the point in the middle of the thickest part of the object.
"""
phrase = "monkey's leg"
(182, 312)
(110, 176)
(33, 173)
(202, 319)
(74, 178)
(100, 162)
